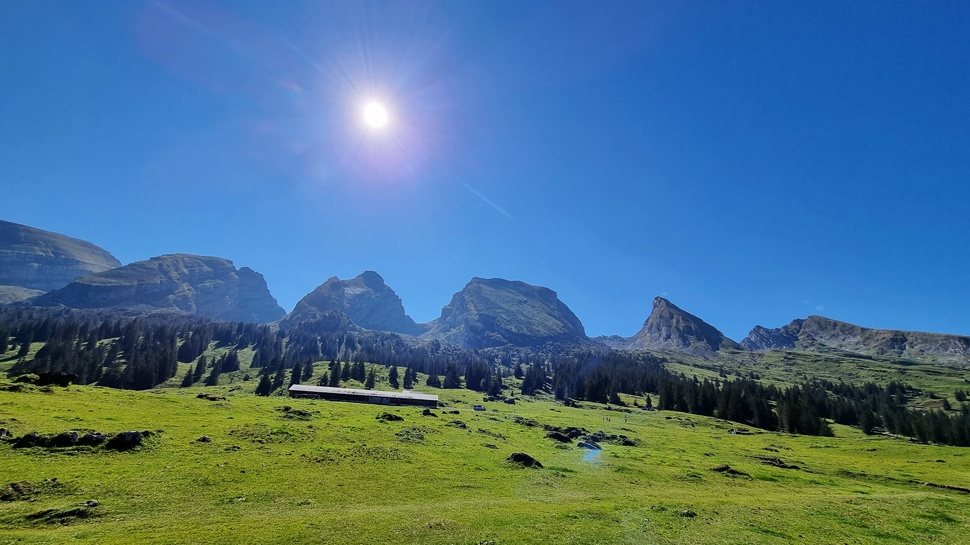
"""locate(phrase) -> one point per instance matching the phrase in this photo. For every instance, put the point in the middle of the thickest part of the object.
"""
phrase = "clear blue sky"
(754, 162)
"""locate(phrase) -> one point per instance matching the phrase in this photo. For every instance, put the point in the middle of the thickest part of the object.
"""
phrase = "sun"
(375, 115)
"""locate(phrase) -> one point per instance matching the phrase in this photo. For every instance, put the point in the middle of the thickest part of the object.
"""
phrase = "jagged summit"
(365, 299)
(496, 312)
(668, 327)
(202, 285)
(818, 333)
(34, 261)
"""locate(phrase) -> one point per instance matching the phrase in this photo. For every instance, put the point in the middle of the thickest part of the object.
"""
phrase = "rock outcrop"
(365, 299)
(820, 334)
(34, 261)
(205, 286)
(670, 328)
(497, 312)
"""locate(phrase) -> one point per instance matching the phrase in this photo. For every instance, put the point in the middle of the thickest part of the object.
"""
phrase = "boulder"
(31, 440)
(458, 424)
(65, 439)
(427, 412)
(523, 459)
(562, 438)
(388, 417)
(125, 440)
(92, 439)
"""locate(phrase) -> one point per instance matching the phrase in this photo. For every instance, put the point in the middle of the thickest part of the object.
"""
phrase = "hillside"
(820, 334)
(200, 285)
(34, 261)
(339, 475)
(496, 312)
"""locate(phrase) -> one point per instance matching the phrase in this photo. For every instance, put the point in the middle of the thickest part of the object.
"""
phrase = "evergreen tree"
(335, 377)
(199, 370)
(345, 373)
(433, 381)
(649, 403)
(452, 380)
(408, 380)
(371, 379)
(392, 378)
(297, 375)
(324, 380)
(213, 378)
(265, 386)
(187, 379)
(280, 376)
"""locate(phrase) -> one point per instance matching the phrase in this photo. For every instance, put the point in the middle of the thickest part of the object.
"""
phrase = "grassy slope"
(344, 477)
(792, 367)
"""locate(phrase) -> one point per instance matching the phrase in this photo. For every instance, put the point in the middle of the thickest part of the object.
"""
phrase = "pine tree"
(408, 380)
(345, 372)
(280, 376)
(335, 377)
(392, 377)
(187, 380)
(297, 375)
(371, 380)
(324, 380)
(199, 370)
(265, 386)
(213, 378)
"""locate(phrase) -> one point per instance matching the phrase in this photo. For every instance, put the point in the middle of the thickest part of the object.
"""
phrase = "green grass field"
(343, 476)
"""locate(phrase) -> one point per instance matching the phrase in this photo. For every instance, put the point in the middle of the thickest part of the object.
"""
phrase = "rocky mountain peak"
(671, 328)
(202, 285)
(496, 312)
(365, 299)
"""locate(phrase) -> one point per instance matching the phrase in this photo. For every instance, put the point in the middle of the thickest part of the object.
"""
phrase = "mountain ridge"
(202, 285)
(34, 261)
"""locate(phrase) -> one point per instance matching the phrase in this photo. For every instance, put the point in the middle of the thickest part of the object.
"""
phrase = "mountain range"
(47, 269)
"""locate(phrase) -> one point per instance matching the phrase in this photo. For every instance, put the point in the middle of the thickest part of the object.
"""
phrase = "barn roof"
(363, 393)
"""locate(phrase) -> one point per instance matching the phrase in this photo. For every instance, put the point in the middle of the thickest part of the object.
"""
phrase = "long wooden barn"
(363, 396)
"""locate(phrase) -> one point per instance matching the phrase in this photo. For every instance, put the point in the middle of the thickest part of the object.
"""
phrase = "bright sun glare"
(375, 115)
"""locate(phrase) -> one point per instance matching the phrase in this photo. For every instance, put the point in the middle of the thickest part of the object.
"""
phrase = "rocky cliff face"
(496, 312)
(670, 328)
(365, 299)
(206, 286)
(33, 261)
(817, 333)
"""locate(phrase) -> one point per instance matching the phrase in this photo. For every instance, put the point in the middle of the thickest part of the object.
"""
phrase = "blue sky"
(752, 162)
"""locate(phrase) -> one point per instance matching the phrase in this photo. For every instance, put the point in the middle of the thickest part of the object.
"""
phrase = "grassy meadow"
(341, 475)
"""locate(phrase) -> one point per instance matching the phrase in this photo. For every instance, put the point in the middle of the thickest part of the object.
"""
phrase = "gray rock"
(92, 439)
(34, 261)
(820, 334)
(497, 312)
(523, 459)
(205, 286)
(366, 300)
(670, 328)
(125, 440)
(31, 440)
(65, 439)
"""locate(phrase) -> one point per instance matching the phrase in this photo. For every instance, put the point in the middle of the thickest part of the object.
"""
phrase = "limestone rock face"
(783, 338)
(365, 299)
(34, 261)
(821, 334)
(497, 312)
(205, 286)
(670, 328)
